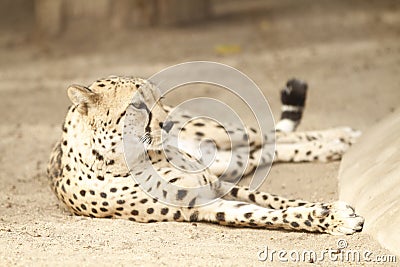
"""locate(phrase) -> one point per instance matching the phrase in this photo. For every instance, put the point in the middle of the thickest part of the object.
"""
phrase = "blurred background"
(348, 51)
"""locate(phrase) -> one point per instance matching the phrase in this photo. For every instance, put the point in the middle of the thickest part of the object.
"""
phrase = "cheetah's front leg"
(337, 218)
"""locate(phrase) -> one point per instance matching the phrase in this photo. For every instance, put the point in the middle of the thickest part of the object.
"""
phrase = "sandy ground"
(348, 51)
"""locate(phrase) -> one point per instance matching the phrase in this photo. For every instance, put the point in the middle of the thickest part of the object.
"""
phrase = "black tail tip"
(295, 92)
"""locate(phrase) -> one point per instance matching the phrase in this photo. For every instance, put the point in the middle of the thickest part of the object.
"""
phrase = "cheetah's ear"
(82, 96)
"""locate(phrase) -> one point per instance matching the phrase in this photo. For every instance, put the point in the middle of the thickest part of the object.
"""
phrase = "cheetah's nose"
(167, 126)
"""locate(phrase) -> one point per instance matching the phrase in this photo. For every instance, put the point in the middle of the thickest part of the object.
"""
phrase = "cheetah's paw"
(348, 135)
(341, 219)
(333, 150)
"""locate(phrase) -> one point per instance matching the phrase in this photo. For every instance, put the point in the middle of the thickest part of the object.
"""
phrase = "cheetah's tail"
(293, 98)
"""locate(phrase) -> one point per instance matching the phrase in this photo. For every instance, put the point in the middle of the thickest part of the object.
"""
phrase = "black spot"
(91, 192)
(164, 211)
(164, 193)
(234, 191)
(194, 216)
(252, 197)
(103, 195)
(143, 201)
(150, 210)
(135, 212)
(105, 203)
(83, 206)
(101, 178)
(120, 201)
(199, 124)
(192, 202)
(173, 180)
(274, 219)
(200, 134)
(68, 182)
(125, 188)
(265, 197)
(308, 223)
(177, 215)
(294, 224)
(113, 190)
(220, 216)
(65, 142)
(103, 209)
(298, 216)
(248, 215)
(82, 192)
(181, 194)
(308, 153)
(94, 210)
(253, 130)
(148, 178)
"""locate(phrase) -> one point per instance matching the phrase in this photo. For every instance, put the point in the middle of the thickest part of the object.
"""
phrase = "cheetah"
(114, 160)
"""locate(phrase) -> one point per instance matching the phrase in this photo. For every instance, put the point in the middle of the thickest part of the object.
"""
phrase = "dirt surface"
(348, 51)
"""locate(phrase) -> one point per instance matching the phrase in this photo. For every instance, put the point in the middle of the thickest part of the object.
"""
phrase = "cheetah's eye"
(139, 105)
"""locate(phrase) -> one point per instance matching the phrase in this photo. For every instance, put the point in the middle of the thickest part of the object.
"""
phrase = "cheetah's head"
(116, 102)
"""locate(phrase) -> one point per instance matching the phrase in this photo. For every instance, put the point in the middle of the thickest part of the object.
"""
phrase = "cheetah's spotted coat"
(88, 172)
